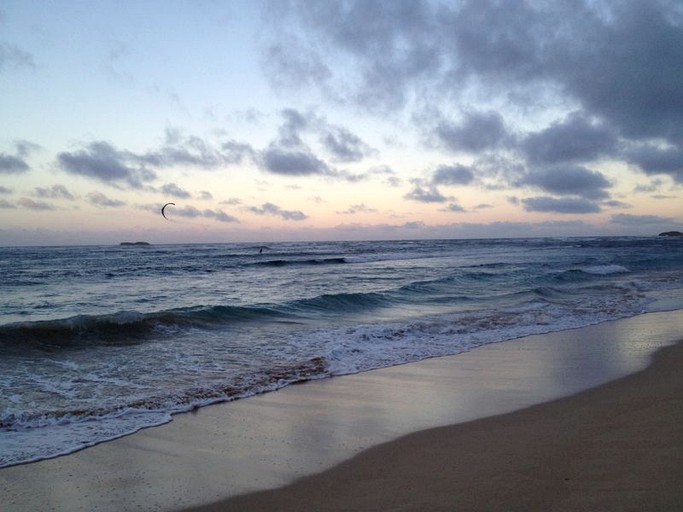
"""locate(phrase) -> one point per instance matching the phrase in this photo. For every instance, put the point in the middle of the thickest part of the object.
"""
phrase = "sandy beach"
(616, 447)
(412, 437)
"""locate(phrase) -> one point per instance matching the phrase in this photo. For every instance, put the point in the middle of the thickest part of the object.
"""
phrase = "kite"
(162, 210)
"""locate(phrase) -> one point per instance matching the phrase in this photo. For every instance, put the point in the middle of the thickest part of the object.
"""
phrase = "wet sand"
(617, 447)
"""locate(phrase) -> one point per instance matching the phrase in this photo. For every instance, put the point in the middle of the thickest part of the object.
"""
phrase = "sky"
(338, 120)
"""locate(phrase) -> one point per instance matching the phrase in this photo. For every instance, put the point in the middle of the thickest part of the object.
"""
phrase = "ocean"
(99, 342)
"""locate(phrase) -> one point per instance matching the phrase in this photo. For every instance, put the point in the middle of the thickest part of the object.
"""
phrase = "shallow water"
(98, 342)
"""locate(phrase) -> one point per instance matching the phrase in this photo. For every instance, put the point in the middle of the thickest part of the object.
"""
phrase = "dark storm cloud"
(103, 162)
(388, 41)
(12, 165)
(173, 190)
(456, 174)
(272, 209)
(570, 180)
(53, 192)
(617, 63)
(653, 160)
(626, 67)
(560, 205)
(476, 132)
(101, 200)
(575, 139)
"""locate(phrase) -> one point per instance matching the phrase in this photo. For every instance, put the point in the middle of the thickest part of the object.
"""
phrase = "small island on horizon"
(135, 243)
(671, 233)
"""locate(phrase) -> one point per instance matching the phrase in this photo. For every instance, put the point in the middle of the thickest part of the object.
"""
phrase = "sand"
(616, 447)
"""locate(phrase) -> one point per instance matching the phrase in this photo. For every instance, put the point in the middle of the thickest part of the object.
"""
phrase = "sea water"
(98, 342)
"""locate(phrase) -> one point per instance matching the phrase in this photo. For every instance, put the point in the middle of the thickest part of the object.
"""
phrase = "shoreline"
(615, 447)
(269, 441)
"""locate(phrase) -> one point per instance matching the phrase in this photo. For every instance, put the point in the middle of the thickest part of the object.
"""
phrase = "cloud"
(291, 63)
(102, 162)
(30, 204)
(24, 148)
(358, 208)
(295, 122)
(180, 149)
(653, 186)
(453, 175)
(237, 152)
(476, 132)
(6, 205)
(5, 190)
(272, 209)
(191, 212)
(534, 61)
(205, 195)
(653, 160)
(638, 88)
(570, 180)
(454, 207)
(344, 145)
(425, 194)
(99, 199)
(12, 165)
(171, 189)
(381, 45)
(575, 139)
(286, 162)
(219, 215)
(416, 224)
(616, 204)
(561, 205)
(54, 192)
(13, 56)
(290, 154)
(626, 219)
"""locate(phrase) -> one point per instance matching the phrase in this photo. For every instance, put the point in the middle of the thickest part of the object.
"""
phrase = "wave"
(603, 270)
(301, 262)
(122, 328)
(241, 386)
